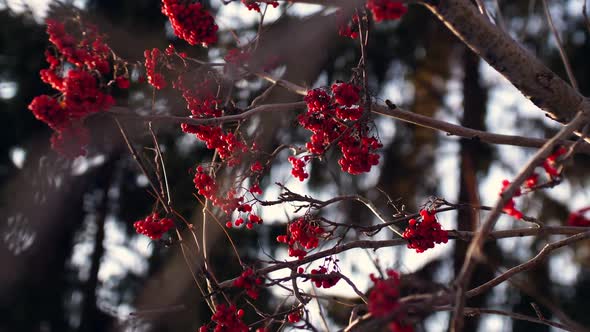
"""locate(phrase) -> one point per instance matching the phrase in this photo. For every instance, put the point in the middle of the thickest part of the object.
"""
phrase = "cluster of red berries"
(90, 52)
(153, 226)
(255, 5)
(326, 117)
(200, 100)
(249, 282)
(227, 145)
(301, 234)
(228, 319)
(384, 297)
(578, 218)
(386, 9)
(71, 71)
(294, 317)
(250, 221)
(155, 78)
(207, 187)
(171, 50)
(422, 235)
(510, 207)
(191, 22)
(237, 56)
(324, 279)
(550, 167)
(350, 28)
(298, 167)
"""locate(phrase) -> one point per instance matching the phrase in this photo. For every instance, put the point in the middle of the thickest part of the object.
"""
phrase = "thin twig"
(564, 59)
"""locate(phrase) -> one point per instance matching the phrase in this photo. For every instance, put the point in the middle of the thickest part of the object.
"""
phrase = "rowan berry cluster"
(191, 22)
(207, 187)
(250, 221)
(327, 117)
(227, 145)
(510, 207)
(73, 64)
(155, 78)
(255, 5)
(227, 319)
(578, 218)
(302, 235)
(384, 299)
(550, 167)
(350, 28)
(531, 183)
(422, 235)
(249, 282)
(236, 56)
(153, 226)
(386, 9)
(298, 170)
(294, 317)
(325, 279)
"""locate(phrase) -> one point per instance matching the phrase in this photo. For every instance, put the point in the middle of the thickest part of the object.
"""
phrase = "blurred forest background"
(71, 260)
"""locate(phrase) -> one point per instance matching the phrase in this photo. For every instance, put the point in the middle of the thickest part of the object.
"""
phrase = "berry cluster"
(578, 218)
(90, 52)
(155, 78)
(72, 70)
(237, 56)
(384, 296)
(200, 100)
(326, 118)
(324, 279)
(153, 226)
(249, 282)
(207, 187)
(298, 169)
(510, 207)
(250, 221)
(424, 234)
(228, 319)
(550, 167)
(227, 145)
(191, 22)
(255, 5)
(301, 234)
(294, 317)
(350, 28)
(531, 183)
(386, 9)
(383, 299)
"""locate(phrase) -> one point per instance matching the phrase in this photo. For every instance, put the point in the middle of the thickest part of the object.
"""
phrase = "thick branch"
(529, 75)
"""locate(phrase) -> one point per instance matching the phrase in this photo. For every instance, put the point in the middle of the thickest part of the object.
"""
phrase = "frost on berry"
(383, 10)
(302, 235)
(153, 226)
(191, 22)
(422, 234)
